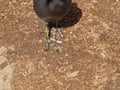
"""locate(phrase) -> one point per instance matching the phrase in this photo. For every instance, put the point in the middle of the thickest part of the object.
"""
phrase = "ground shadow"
(70, 19)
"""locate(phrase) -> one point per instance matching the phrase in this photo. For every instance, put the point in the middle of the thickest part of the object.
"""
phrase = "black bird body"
(51, 10)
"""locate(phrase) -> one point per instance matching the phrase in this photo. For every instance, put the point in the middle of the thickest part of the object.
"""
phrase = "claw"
(55, 40)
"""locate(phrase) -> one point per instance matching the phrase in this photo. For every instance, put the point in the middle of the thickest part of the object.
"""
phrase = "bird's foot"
(50, 41)
(51, 44)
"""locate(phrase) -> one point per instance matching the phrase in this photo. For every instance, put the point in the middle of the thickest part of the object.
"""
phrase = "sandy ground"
(89, 59)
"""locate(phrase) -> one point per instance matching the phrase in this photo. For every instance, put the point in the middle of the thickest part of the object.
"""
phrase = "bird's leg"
(56, 30)
(47, 31)
(48, 41)
(59, 30)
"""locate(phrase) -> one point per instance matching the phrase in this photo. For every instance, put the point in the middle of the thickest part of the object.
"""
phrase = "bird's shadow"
(71, 18)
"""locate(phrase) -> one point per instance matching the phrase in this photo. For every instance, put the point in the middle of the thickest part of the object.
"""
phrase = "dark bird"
(52, 11)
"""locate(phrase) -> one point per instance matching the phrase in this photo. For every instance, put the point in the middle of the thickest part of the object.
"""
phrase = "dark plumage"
(51, 11)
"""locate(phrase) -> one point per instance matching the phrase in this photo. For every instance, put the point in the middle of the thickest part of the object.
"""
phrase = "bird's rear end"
(51, 10)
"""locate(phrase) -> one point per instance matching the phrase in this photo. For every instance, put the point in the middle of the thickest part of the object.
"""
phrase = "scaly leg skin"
(48, 41)
(56, 30)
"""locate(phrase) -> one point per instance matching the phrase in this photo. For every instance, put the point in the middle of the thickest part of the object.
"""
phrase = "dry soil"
(89, 58)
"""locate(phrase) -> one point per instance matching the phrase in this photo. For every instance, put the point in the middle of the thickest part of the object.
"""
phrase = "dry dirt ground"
(89, 59)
